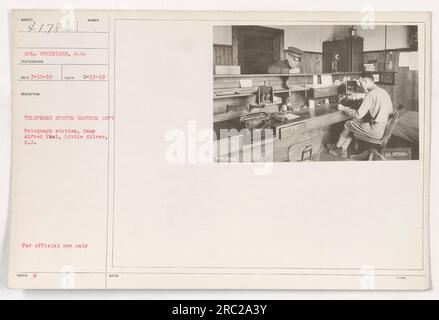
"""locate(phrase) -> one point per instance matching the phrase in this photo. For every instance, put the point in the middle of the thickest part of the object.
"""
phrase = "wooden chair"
(376, 145)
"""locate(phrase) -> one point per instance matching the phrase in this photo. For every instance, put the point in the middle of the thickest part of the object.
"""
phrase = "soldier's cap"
(294, 51)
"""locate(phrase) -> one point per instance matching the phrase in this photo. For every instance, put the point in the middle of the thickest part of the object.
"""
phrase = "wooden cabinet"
(344, 55)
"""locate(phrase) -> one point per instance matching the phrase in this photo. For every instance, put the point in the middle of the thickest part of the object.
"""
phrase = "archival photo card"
(220, 150)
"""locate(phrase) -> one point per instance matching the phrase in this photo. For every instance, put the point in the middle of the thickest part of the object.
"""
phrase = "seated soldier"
(377, 104)
(290, 65)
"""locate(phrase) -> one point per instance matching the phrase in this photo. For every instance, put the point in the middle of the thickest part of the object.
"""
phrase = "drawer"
(290, 129)
(305, 150)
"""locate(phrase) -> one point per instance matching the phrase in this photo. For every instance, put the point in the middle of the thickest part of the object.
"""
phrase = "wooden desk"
(311, 123)
(227, 91)
(322, 115)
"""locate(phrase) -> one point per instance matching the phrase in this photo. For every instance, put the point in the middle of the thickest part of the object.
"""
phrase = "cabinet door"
(349, 52)
(357, 55)
(328, 56)
(343, 52)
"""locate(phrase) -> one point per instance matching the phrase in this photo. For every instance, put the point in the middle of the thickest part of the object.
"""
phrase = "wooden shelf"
(289, 90)
(278, 75)
(236, 95)
(261, 75)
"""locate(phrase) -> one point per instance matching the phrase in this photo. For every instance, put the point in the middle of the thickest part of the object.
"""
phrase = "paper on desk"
(326, 79)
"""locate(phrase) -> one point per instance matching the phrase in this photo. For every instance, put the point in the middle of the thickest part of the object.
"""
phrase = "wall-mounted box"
(387, 78)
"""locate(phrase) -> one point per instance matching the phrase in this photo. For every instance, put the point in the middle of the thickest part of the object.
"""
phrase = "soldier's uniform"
(283, 66)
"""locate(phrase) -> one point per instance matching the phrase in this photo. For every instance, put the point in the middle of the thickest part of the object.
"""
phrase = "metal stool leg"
(371, 154)
(375, 155)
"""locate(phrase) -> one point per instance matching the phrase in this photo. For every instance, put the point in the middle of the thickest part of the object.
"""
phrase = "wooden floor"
(326, 156)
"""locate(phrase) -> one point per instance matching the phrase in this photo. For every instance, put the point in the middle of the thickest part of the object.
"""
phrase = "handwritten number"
(32, 26)
(45, 27)
(58, 27)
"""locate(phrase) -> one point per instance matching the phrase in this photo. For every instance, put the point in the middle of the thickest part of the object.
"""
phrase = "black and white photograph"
(315, 93)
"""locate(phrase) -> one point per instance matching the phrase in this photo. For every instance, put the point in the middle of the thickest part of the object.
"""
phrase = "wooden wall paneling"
(327, 56)
(222, 55)
(312, 62)
(235, 44)
(405, 90)
(225, 83)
